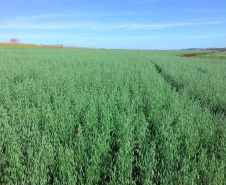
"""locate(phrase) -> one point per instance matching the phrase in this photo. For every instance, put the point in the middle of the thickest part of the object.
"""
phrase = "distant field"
(216, 54)
(207, 54)
(6, 44)
(76, 116)
(21, 45)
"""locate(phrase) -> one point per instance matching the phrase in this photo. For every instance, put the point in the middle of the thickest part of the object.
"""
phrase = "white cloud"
(46, 26)
(148, 1)
(77, 15)
(206, 11)
(101, 26)
(169, 37)
(171, 25)
(83, 36)
(154, 1)
(51, 22)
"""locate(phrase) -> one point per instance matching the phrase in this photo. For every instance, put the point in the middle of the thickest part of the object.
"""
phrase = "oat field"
(79, 116)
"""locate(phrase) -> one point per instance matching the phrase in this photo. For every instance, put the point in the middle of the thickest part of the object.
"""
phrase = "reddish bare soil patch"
(191, 55)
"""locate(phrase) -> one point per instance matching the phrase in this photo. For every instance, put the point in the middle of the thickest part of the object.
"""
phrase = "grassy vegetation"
(204, 79)
(216, 55)
(7, 44)
(110, 117)
(24, 45)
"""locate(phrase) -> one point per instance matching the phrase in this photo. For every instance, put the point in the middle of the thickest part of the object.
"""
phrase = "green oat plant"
(77, 116)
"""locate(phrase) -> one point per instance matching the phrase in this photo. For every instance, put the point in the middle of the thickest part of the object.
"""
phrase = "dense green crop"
(110, 117)
(203, 78)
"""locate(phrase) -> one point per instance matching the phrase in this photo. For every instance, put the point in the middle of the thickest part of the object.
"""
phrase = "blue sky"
(126, 24)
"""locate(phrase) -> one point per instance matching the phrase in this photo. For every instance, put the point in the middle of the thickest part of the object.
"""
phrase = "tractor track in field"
(173, 83)
(216, 110)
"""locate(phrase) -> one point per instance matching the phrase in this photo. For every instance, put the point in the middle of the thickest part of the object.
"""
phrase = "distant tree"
(13, 40)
